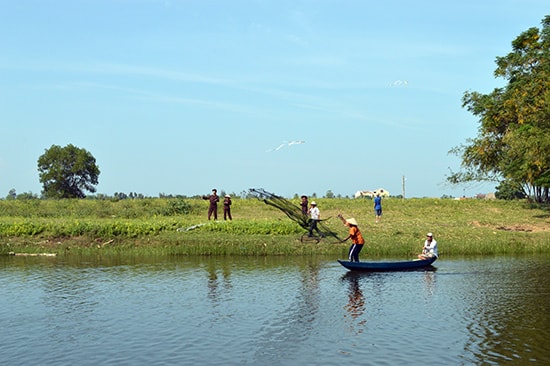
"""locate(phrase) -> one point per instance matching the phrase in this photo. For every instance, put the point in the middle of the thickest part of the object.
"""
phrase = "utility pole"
(403, 187)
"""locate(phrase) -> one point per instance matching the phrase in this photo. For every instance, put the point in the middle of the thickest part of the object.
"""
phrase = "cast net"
(294, 212)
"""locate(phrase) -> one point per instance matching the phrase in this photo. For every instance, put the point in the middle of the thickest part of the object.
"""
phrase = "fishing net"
(294, 212)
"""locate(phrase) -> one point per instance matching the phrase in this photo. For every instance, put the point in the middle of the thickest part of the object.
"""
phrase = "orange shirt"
(355, 235)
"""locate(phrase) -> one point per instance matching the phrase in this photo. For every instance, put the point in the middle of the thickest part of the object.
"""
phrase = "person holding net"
(356, 237)
(314, 218)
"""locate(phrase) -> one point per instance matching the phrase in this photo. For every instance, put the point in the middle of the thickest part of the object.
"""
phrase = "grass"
(157, 227)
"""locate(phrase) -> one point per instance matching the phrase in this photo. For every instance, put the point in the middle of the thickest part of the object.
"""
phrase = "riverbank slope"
(179, 227)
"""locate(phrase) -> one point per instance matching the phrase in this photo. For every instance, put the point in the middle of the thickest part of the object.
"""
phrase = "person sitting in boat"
(355, 236)
(430, 248)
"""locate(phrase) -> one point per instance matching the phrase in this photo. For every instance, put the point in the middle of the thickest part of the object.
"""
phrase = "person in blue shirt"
(378, 207)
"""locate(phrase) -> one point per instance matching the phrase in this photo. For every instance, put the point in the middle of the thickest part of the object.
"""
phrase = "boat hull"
(388, 266)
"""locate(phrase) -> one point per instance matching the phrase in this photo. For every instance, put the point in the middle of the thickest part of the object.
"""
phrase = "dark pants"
(213, 210)
(354, 251)
(313, 226)
(227, 213)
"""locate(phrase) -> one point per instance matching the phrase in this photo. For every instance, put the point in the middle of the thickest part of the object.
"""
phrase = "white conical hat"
(352, 221)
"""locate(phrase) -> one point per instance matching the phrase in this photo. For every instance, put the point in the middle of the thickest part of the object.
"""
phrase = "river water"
(272, 311)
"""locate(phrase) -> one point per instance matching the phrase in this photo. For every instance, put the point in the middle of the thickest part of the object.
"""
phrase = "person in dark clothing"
(213, 207)
(304, 204)
(227, 207)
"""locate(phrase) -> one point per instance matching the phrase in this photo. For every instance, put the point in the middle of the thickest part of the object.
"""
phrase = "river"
(272, 311)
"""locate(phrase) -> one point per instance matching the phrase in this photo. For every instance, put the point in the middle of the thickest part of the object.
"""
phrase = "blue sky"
(179, 97)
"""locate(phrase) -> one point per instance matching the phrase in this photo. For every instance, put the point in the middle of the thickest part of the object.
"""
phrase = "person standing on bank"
(430, 248)
(315, 217)
(227, 207)
(356, 237)
(378, 207)
(213, 206)
(304, 204)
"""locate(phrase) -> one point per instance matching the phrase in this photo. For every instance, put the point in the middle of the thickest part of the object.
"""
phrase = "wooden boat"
(388, 266)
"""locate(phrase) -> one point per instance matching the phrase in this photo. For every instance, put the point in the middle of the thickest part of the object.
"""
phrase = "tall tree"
(66, 172)
(514, 135)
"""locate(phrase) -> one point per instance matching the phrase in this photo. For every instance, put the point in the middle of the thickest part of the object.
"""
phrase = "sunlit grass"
(150, 227)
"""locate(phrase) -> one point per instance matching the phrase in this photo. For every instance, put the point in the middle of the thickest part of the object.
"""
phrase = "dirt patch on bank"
(528, 228)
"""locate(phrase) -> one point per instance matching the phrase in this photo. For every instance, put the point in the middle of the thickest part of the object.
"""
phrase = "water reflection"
(291, 326)
(429, 284)
(356, 302)
(217, 278)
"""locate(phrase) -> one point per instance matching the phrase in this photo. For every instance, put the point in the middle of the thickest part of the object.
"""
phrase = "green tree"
(513, 143)
(11, 194)
(509, 190)
(27, 196)
(66, 172)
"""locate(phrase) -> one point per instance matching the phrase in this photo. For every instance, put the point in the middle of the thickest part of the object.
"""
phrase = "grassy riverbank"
(159, 227)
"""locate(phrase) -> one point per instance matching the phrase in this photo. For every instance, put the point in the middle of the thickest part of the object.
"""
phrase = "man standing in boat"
(355, 236)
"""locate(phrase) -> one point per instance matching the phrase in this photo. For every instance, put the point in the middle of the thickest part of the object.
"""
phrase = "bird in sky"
(287, 143)
(397, 83)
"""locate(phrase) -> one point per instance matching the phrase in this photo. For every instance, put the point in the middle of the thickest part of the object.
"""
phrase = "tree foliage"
(66, 172)
(514, 134)
(509, 190)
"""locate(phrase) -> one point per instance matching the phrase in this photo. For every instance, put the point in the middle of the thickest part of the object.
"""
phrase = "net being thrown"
(294, 212)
